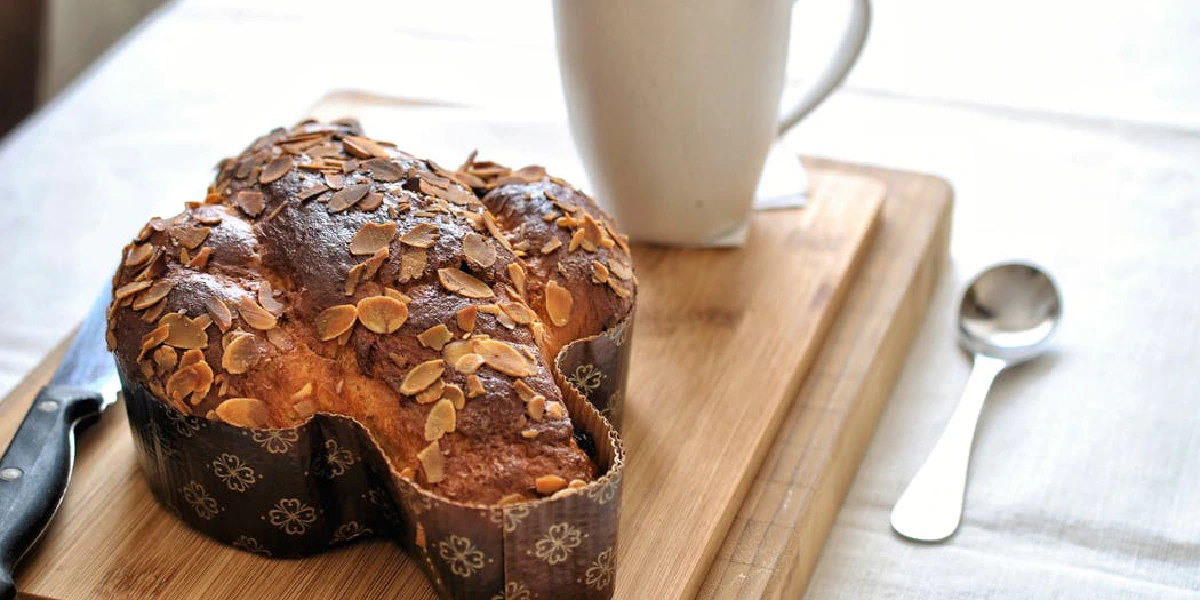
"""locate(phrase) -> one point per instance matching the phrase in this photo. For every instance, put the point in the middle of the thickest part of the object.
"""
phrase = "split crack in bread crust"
(329, 272)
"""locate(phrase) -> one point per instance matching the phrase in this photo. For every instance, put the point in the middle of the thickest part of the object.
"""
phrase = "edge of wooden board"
(740, 570)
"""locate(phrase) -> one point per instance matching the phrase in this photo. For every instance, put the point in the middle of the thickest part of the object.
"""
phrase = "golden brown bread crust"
(249, 307)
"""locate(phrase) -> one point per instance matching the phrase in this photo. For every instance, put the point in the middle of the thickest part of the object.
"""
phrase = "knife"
(35, 469)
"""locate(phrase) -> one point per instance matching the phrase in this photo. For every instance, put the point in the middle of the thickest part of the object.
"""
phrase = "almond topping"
(266, 297)
(554, 410)
(151, 340)
(619, 290)
(241, 354)
(347, 196)
(524, 392)
(362, 147)
(431, 462)
(372, 237)
(577, 240)
(371, 201)
(519, 312)
(199, 260)
(467, 364)
(190, 237)
(463, 284)
(255, 315)
(422, 376)
(517, 273)
(599, 272)
(250, 201)
(244, 412)
(551, 246)
(577, 484)
(466, 318)
(536, 407)
(455, 350)
(430, 394)
(130, 289)
(455, 395)
(529, 434)
(558, 303)
(219, 312)
(412, 265)
(166, 358)
(151, 296)
(474, 386)
(275, 169)
(423, 235)
(139, 254)
(382, 314)
(335, 321)
(396, 295)
(504, 358)
(186, 333)
(620, 269)
(548, 484)
(441, 420)
(435, 337)
(478, 250)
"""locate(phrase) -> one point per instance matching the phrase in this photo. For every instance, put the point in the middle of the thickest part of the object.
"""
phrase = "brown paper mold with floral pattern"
(297, 491)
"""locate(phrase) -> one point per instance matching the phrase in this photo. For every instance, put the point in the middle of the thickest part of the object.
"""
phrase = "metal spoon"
(1007, 316)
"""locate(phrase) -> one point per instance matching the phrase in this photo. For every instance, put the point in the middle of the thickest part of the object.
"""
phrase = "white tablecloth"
(1070, 130)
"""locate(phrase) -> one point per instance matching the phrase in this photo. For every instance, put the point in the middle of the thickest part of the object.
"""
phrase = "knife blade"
(36, 467)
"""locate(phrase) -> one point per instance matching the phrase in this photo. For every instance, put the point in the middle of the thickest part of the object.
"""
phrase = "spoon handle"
(930, 508)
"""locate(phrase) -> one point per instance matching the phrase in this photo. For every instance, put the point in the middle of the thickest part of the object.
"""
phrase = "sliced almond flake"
(423, 235)
(280, 339)
(193, 379)
(344, 339)
(251, 202)
(463, 284)
(422, 376)
(524, 392)
(459, 197)
(504, 358)
(576, 240)
(551, 246)
(431, 393)
(518, 312)
(151, 296)
(468, 363)
(412, 265)
(382, 314)
(517, 274)
(455, 395)
(348, 166)
(370, 202)
(494, 229)
(536, 407)
(275, 169)
(184, 332)
(501, 316)
(190, 237)
(465, 317)
(130, 288)
(619, 289)
(521, 246)
(599, 272)
(144, 233)
(562, 270)
(266, 297)
(353, 278)
(166, 358)
(219, 312)
(200, 260)
(435, 337)
(153, 268)
(528, 434)
(241, 354)
(347, 197)
(474, 386)
(244, 412)
(363, 147)
(208, 216)
(335, 181)
(620, 269)
(138, 254)
(310, 192)
(548, 484)
(154, 312)
(558, 303)
(453, 351)
(153, 339)
(384, 170)
(372, 264)
(371, 237)
(441, 420)
(555, 410)
(255, 315)
(431, 463)
(478, 250)
(304, 392)
(335, 321)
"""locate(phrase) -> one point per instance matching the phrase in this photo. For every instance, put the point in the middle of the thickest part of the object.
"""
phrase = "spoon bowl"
(1009, 311)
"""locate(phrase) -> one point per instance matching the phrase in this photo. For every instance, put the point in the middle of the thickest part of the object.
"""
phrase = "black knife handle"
(34, 472)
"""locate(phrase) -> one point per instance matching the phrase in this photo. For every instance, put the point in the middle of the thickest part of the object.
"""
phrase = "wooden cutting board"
(724, 343)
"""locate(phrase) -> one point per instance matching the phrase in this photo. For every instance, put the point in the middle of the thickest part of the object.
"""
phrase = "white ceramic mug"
(673, 105)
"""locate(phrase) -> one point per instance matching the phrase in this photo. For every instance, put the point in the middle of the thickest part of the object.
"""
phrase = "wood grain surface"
(721, 343)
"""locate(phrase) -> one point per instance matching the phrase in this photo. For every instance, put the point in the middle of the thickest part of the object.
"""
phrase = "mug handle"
(847, 54)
